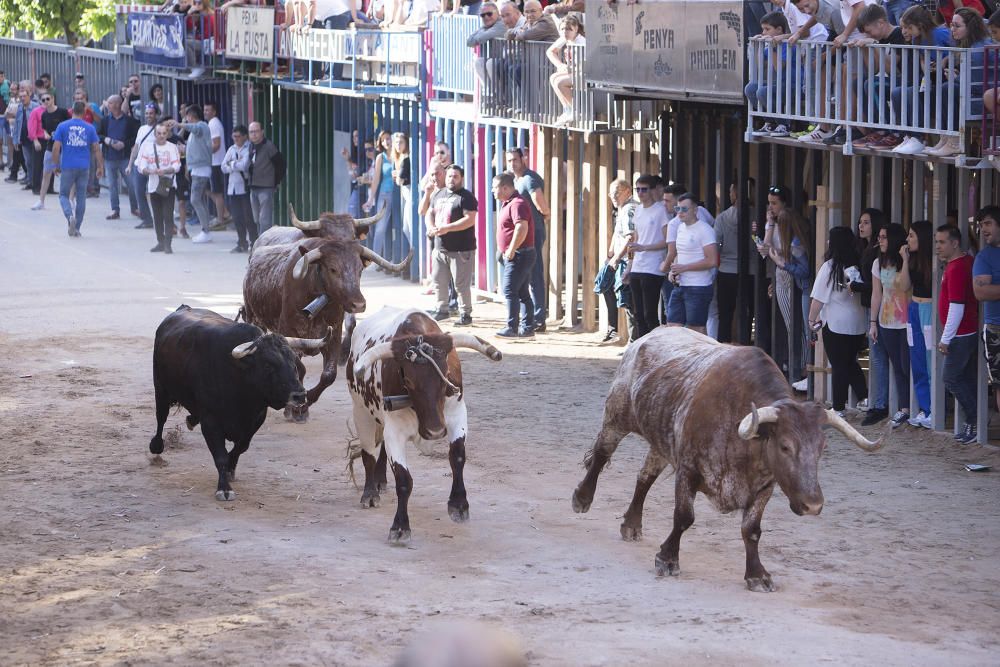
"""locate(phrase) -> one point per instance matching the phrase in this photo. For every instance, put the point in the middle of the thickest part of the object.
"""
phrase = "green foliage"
(72, 20)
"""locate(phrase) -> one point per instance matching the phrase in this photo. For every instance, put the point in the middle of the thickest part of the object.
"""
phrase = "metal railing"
(915, 90)
(362, 60)
(452, 60)
(517, 83)
(991, 81)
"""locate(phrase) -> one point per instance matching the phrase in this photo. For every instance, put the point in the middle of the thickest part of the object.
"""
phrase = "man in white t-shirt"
(218, 182)
(671, 197)
(693, 271)
(145, 135)
(649, 248)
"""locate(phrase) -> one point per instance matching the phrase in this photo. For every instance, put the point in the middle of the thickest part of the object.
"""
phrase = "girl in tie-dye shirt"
(891, 302)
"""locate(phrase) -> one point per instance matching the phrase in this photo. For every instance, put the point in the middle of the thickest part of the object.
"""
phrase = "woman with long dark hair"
(382, 192)
(889, 314)
(839, 313)
(870, 223)
(916, 272)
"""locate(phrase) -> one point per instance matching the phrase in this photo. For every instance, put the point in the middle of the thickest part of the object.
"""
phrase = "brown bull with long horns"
(695, 401)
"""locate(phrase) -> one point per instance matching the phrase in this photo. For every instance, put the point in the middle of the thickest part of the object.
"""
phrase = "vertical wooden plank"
(571, 237)
(604, 224)
(623, 161)
(557, 183)
(592, 243)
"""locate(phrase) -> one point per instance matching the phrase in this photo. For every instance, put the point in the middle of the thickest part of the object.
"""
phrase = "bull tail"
(353, 452)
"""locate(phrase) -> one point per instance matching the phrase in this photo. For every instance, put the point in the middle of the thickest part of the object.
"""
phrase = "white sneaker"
(816, 135)
(202, 237)
(910, 146)
(764, 131)
(197, 72)
(38, 206)
(922, 419)
(802, 385)
(862, 406)
(780, 131)
(949, 148)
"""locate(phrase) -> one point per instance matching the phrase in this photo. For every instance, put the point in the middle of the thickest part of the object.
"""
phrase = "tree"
(72, 20)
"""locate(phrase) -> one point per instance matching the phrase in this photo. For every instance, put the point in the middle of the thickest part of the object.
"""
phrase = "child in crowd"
(564, 58)
(768, 87)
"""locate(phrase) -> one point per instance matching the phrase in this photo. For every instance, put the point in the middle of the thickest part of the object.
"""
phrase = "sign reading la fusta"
(250, 33)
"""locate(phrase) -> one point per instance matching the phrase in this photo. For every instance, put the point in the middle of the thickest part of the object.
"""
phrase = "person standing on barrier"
(516, 245)
(650, 250)
(74, 147)
(236, 165)
(986, 287)
(160, 161)
(199, 163)
(51, 116)
(267, 170)
(958, 312)
(117, 132)
(531, 187)
(145, 135)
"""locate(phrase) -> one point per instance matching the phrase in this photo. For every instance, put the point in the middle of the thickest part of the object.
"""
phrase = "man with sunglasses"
(51, 116)
(671, 199)
(133, 99)
(693, 270)
(649, 248)
(492, 28)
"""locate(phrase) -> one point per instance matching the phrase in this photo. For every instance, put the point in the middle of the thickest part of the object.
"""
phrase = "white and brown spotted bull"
(402, 354)
(724, 418)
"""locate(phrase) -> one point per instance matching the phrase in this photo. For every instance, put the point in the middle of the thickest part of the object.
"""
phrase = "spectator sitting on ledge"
(537, 27)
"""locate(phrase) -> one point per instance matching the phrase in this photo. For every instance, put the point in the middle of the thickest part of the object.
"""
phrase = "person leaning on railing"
(537, 27)
(564, 56)
(875, 26)
(492, 28)
(773, 27)
(990, 96)
(565, 7)
(968, 31)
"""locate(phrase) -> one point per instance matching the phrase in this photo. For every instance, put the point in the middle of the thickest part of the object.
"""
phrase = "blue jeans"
(200, 186)
(959, 373)
(689, 305)
(515, 280)
(70, 178)
(383, 225)
(879, 362)
(919, 321)
(115, 169)
(139, 183)
(665, 291)
(895, 9)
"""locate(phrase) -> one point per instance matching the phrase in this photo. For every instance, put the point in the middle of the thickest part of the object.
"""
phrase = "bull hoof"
(459, 513)
(631, 533)
(581, 504)
(156, 445)
(399, 537)
(297, 415)
(667, 567)
(370, 500)
(191, 422)
(225, 495)
(760, 584)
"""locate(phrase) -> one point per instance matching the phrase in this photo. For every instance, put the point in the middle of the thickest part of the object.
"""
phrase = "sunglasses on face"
(682, 209)
(774, 190)
(642, 189)
(46, 99)
(486, 15)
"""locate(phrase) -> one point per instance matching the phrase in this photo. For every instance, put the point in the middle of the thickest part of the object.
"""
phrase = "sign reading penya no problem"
(686, 48)
(250, 33)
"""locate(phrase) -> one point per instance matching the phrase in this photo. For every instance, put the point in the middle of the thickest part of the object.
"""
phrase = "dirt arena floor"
(109, 559)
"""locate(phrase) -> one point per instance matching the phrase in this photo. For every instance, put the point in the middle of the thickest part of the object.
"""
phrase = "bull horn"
(750, 424)
(302, 266)
(306, 225)
(243, 349)
(376, 353)
(364, 222)
(310, 346)
(852, 434)
(371, 256)
(476, 343)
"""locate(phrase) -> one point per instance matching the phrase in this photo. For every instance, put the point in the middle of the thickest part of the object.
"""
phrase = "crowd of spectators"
(168, 167)
(901, 88)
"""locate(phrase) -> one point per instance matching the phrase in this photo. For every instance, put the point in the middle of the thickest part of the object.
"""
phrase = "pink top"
(35, 130)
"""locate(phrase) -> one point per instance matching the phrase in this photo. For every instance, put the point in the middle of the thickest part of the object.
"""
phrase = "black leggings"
(645, 298)
(239, 206)
(843, 351)
(163, 215)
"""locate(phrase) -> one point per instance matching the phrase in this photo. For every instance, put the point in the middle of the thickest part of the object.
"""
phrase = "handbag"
(166, 183)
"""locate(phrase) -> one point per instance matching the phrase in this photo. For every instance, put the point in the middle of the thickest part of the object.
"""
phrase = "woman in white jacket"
(236, 163)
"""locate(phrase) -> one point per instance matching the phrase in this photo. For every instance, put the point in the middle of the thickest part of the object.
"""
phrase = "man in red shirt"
(958, 311)
(516, 241)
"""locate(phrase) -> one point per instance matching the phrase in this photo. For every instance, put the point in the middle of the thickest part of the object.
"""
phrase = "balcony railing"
(517, 84)
(199, 44)
(991, 81)
(365, 61)
(453, 63)
(912, 90)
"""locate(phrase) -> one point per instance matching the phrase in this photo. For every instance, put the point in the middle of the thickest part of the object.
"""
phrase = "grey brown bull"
(724, 418)
(281, 280)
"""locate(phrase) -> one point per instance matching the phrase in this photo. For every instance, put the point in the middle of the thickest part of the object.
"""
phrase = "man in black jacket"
(117, 134)
(267, 170)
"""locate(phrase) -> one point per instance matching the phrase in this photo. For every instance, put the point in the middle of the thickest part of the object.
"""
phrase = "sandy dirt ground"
(109, 559)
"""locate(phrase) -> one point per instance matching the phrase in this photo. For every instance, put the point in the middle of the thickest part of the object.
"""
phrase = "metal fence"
(452, 67)
(519, 83)
(914, 90)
